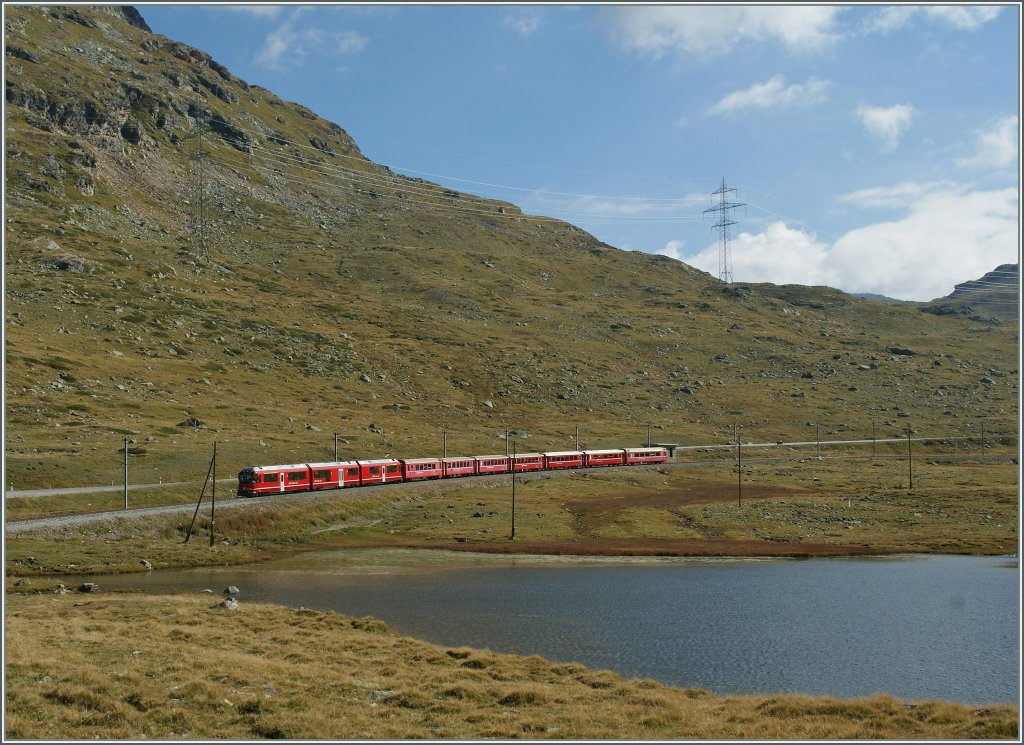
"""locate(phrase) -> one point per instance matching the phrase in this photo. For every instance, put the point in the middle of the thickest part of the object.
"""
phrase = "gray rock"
(231, 590)
(228, 603)
(88, 587)
(149, 567)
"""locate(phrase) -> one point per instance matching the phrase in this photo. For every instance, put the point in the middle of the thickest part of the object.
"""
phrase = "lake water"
(915, 626)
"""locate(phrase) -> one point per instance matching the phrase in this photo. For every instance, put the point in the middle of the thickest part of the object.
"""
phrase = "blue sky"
(875, 147)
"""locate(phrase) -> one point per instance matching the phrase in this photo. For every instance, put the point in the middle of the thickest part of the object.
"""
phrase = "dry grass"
(131, 666)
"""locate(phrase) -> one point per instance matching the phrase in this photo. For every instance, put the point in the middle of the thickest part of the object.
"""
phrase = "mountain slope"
(329, 294)
(994, 295)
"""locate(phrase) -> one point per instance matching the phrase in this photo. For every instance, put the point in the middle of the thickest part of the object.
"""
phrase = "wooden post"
(213, 499)
(513, 469)
(739, 470)
(126, 471)
(910, 460)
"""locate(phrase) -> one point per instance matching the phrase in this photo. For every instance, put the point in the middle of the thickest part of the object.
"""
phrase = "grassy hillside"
(335, 296)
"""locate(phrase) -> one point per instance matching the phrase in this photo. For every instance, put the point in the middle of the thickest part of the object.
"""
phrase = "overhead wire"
(441, 207)
(271, 158)
(363, 159)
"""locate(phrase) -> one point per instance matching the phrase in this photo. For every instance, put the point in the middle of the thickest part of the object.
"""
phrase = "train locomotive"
(256, 481)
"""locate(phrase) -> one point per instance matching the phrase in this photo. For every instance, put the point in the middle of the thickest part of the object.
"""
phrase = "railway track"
(84, 518)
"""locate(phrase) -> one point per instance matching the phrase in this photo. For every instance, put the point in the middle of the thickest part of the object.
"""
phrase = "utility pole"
(513, 469)
(213, 498)
(724, 222)
(577, 438)
(444, 446)
(910, 461)
(648, 435)
(739, 470)
(983, 442)
(126, 471)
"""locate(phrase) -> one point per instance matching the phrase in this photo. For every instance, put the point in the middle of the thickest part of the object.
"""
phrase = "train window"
(374, 470)
(296, 475)
(392, 469)
(352, 472)
(270, 478)
(322, 475)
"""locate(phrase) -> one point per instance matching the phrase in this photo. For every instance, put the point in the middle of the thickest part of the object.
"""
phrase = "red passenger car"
(529, 462)
(421, 468)
(380, 471)
(573, 459)
(326, 475)
(261, 480)
(604, 457)
(646, 455)
(458, 467)
(491, 464)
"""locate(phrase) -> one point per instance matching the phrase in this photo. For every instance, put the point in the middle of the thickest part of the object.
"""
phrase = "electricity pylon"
(724, 222)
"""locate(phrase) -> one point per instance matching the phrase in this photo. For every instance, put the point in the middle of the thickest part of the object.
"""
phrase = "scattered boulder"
(147, 565)
(23, 581)
(903, 351)
(231, 591)
(192, 422)
(228, 603)
(88, 587)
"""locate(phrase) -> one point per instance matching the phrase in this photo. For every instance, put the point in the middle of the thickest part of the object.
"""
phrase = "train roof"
(566, 452)
(377, 462)
(332, 463)
(488, 457)
(289, 465)
(644, 450)
(601, 452)
(527, 455)
(420, 460)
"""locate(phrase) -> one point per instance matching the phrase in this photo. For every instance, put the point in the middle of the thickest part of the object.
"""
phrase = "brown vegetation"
(131, 666)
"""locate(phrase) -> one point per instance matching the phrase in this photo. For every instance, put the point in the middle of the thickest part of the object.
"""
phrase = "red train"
(256, 481)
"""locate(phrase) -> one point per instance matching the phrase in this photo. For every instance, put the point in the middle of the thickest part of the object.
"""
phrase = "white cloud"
(287, 44)
(257, 11)
(996, 147)
(887, 123)
(525, 21)
(709, 31)
(889, 19)
(946, 236)
(773, 94)
(674, 250)
(638, 207)
(963, 17)
(779, 255)
(901, 195)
